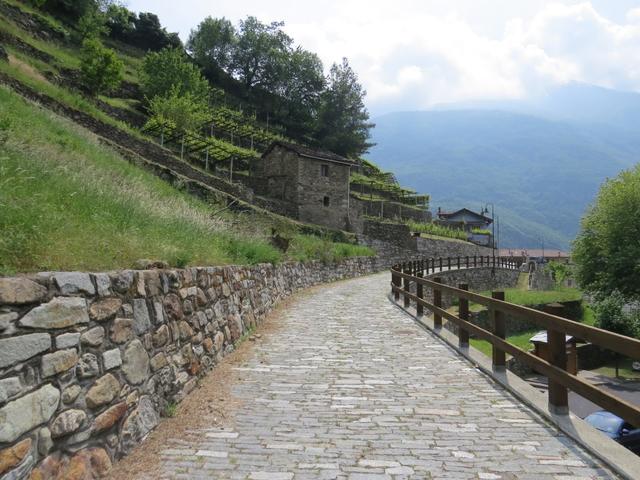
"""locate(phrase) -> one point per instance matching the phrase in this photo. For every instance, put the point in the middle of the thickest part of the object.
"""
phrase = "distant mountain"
(540, 163)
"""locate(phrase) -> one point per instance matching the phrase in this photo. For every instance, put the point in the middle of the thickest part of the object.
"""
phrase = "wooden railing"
(560, 381)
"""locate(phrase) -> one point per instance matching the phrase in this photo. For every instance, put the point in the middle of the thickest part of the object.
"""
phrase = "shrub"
(101, 68)
(181, 111)
(610, 315)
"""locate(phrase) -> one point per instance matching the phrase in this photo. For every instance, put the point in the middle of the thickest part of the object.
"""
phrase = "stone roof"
(310, 153)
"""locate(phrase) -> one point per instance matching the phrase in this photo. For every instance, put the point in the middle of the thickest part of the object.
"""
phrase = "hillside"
(541, 173)
(80, 191)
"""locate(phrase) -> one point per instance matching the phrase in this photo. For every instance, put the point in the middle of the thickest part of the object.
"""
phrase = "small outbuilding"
(312, 185)
(541, 349)
(463, 219)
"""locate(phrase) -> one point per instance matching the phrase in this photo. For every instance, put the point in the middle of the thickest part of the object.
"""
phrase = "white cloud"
(411, 54)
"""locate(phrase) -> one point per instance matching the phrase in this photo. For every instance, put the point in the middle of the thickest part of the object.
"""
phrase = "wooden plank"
(463, 314)
(499, 358)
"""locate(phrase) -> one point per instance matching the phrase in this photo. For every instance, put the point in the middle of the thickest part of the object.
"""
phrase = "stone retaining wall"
(89, 362)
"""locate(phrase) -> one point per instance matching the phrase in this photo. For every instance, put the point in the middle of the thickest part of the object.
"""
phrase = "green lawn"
(537, 297)
(70, 203)
(624, 370)
(520, 340)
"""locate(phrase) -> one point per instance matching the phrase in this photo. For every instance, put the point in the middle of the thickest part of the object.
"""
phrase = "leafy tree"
(101, 68)
(170, 70)
(92, 24)
(301, 88)
(260, 55)
(150, 35)
(180, 110)
(343, 120)
(212, 44)
(607, 248)
(71, 9)
(610, 315)
(120, 21)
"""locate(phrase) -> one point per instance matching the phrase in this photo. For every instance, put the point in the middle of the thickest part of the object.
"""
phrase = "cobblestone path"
(352, 388)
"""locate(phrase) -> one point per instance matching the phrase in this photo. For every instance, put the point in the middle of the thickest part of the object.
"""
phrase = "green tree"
(101, 68)
(212, 44)
(180, 110)
(259, 58)
(610, 315)
(301, 88)
(150, 35)
(607, 248)
(170, 70)
(120, 21)
(343, 120)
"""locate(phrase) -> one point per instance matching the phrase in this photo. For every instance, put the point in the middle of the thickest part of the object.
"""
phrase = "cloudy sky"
(412, 54)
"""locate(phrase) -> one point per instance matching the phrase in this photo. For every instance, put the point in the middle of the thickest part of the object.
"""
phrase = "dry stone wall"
(90, 361)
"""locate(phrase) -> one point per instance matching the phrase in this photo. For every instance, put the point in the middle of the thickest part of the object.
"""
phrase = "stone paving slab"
(351, 388)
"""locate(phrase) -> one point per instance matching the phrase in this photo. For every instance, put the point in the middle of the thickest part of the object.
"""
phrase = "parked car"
(616, 428)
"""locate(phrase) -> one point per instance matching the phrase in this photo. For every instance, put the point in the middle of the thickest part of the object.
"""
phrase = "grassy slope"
(70, 203)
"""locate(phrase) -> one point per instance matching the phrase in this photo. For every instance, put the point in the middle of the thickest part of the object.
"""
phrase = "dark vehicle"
(616, 428)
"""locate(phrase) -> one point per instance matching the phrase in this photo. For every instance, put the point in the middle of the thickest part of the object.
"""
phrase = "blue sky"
(412, 54)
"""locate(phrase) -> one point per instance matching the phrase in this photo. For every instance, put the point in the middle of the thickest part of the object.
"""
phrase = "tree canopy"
(607, 248)
(343, 121)
(171, 70)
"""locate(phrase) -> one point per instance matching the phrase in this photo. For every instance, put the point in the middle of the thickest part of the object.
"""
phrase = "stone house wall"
(313, 188)
(90, 361)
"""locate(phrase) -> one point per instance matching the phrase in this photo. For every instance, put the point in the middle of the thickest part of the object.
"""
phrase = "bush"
(181, 111)
(101, 68)
(610, 315)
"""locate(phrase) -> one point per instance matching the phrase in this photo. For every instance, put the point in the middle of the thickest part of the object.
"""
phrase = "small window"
(326, 201)
(324, 170)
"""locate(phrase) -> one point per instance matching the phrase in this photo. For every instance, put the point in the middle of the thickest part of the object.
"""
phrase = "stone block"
(61, 312)
(12, 456)
(9, 387)
(57, 362)
(19, 291)
(88, 366)
(27, 412)
(121, 330)
(138, 424)
(70, 283)
(67, 340)
(93, 337)
(67, 422)
(141, 319)
(23, 347)
(104, 309)
(111, 359)
(135, 364)
(110, 417)
(103, 391)
(70, 393)
(103, 284)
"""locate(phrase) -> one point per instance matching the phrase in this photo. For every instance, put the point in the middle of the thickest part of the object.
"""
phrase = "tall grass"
(437, 230)
(304, 248)
(69, 203)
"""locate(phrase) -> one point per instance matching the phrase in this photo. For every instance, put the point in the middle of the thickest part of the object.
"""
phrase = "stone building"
(309, 185)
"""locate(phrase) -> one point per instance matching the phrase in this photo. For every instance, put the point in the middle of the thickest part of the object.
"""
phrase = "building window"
(324, 170)
(325, 201)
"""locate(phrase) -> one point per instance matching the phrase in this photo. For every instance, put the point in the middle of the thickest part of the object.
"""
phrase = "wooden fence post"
(437, 301)
(395, 279)
(440, 262)
(556, 341)
(475, 261)
(420, 295)
(448, 263)
(498, 328)
(407, 300)
(458, 263)
(463, 314)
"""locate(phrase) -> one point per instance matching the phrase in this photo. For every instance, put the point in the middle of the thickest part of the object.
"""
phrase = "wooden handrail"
(557, 327)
